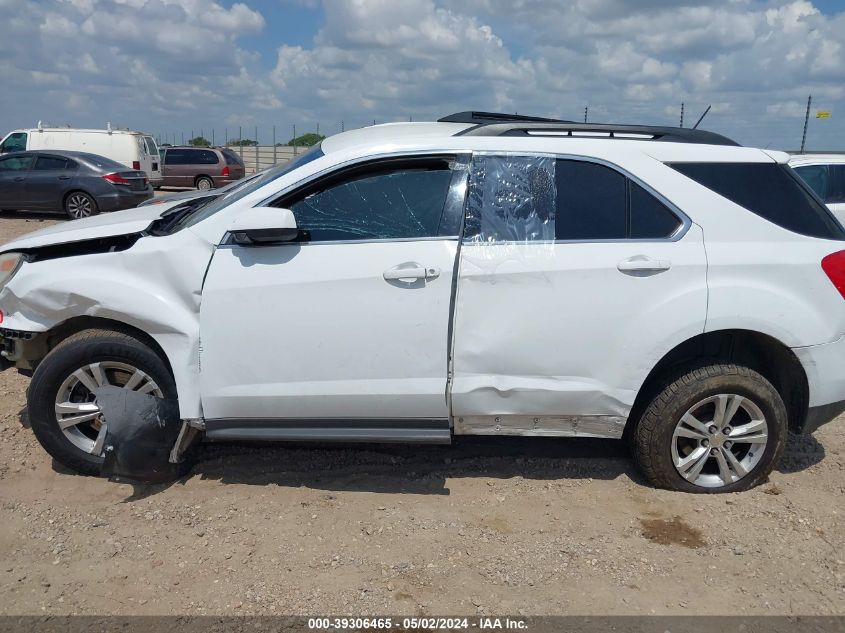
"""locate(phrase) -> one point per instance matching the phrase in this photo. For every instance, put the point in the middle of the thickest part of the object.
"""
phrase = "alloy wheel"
(719, 440)
(78, 416)
(79, 206)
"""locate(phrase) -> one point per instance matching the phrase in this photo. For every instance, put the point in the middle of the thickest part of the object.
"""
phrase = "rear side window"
(591, 201)
(231, 157)
(770, 190)
(49, 163)
(201, 157)
(533, 198)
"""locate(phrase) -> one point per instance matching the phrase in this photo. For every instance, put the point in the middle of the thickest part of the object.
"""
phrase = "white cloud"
(165, 62)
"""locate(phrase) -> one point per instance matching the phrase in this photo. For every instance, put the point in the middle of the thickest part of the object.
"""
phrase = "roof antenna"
(108, 127)
(40, 127)
(701, 118)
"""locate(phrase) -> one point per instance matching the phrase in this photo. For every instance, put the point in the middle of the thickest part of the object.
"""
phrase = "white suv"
(825, 173)
(482, 274)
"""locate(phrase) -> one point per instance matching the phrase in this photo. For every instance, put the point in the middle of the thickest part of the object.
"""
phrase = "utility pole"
(274, 146)
(586, 109)
(806, 121)
(294, 139)
(682, 114)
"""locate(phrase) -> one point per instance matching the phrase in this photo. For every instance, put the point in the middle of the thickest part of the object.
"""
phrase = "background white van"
(136, 150)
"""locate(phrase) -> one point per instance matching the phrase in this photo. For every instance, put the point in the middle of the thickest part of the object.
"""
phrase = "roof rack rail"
(492, 124)
(494, 117)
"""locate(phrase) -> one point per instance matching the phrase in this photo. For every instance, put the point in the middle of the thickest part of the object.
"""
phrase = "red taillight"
(225, 171)
(834, 267)
(136, 165)
(116, 179)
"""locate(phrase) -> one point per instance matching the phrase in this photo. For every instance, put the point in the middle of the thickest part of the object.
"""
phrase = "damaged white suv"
(483, 274)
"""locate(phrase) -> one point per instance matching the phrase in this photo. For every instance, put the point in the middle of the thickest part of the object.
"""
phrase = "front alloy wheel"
(61, 402)
(78, 416)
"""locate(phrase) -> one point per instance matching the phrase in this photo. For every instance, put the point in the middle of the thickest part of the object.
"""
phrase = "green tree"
(306, 140)
(242, 143)
(199, 141)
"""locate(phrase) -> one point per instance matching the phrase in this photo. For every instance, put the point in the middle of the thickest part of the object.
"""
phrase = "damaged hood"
(103, 225)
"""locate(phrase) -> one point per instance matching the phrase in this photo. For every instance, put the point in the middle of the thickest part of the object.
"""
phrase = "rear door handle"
(643, 263)
(19, 178)
(64, 177)
(410, 272)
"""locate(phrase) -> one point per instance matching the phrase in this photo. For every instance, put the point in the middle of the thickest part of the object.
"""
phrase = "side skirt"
(412, 431)
(608, 426)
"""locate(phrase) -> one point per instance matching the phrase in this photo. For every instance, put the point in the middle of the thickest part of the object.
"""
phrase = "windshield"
(233, 196)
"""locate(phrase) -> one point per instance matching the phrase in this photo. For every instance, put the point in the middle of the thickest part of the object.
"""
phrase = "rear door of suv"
(574, 279)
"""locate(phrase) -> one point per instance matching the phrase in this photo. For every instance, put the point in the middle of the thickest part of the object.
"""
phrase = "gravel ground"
(488, 526)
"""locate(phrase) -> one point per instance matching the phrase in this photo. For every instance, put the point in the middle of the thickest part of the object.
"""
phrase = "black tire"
(75, 352)
(652, 439)
(79, 204)
(204, 183)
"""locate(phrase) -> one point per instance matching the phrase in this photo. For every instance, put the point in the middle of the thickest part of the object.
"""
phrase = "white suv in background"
(483, 274)
(825, 173)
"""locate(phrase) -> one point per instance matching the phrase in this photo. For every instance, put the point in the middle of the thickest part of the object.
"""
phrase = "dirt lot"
(485, 526)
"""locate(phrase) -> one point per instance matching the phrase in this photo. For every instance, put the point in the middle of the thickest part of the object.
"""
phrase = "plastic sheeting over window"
(511, 199)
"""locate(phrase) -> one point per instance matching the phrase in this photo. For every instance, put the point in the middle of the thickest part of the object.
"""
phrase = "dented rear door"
(567, 295)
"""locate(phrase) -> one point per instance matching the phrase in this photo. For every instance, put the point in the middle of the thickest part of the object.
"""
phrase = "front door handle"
(64, 177)
(643, 263)
(410, 272)
(19, 178)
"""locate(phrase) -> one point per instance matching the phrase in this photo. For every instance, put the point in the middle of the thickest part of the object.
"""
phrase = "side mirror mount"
(263, 226)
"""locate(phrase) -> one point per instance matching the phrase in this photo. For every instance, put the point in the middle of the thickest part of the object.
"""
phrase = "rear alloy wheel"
(80, 205)
(204, 183)
(715, 428)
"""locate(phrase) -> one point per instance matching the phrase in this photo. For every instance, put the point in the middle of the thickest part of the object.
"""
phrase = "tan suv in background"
(200, 167)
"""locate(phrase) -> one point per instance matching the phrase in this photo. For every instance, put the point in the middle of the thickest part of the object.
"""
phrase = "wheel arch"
(765, 354)
(72, 326)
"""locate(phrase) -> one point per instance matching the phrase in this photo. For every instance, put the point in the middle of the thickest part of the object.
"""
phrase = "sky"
(177, 67)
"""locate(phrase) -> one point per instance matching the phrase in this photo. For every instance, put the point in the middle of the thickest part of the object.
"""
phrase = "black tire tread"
(646, 442)
(104, 343)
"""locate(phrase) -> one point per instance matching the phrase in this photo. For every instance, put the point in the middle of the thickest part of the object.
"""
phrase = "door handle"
(64, 177)
(410, 272)
(19, 178)
(643, 263)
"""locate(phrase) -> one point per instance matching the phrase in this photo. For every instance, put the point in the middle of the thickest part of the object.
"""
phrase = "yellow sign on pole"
(823, 114)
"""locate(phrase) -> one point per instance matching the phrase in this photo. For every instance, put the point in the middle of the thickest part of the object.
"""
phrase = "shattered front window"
(511, 199)
(399, 204)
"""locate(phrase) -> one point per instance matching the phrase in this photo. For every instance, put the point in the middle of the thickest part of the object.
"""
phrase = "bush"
(306, 140)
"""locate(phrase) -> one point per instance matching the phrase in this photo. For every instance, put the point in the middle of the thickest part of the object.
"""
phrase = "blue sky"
(172, 67)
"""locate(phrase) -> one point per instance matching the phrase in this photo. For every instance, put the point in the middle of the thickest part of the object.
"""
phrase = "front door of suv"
(574, 281)
(351, 320)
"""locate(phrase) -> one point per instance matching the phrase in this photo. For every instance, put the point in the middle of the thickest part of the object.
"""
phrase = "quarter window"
(649, 218)
(388, 203)
(770, 190)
